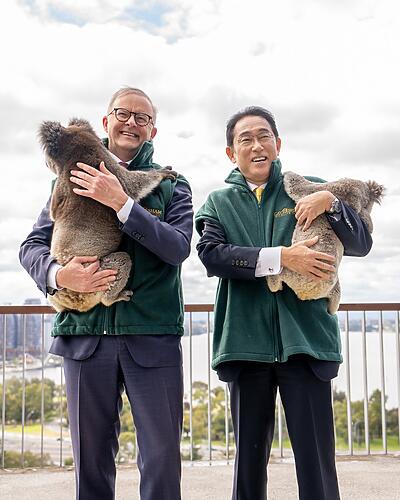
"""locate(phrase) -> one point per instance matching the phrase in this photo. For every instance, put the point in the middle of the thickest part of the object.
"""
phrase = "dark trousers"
(308, 409)
(94, 387)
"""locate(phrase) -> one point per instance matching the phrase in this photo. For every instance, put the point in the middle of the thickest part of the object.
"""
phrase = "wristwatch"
(336, 207)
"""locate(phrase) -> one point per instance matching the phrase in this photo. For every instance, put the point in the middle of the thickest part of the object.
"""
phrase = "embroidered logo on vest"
(283, 212)
(154, 211)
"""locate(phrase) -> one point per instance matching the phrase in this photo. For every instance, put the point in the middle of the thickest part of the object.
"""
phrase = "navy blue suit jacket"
(226, 261)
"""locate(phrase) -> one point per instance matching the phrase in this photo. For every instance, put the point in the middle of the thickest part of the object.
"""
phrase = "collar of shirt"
(254, 186)
(118, 160)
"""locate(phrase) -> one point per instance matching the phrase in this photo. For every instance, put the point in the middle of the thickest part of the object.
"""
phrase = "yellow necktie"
(258, 191)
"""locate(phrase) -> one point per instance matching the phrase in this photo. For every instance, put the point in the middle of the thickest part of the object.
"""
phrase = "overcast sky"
(328, 69)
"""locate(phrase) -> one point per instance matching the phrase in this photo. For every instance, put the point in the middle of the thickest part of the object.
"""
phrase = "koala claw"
(125, 295)
(169, 173)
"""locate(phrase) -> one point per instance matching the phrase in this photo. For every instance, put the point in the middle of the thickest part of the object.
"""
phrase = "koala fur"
(358, 195)
(83, 226)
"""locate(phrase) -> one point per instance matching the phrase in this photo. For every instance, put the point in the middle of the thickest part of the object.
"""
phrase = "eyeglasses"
(248, 140)
(123, 115)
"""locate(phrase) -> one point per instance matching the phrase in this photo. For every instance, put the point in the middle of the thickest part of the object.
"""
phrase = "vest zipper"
(105, 322)
(262, 229)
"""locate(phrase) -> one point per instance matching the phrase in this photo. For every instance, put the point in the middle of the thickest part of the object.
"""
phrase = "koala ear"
(376, 191)
(80, 122)
(50, 134)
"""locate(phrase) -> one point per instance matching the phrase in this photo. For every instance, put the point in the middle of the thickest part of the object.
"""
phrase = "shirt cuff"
(268, 262)
(123, 214)
(51, 276)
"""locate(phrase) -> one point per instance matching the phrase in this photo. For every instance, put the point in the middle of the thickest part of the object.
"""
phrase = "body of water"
(200, 364)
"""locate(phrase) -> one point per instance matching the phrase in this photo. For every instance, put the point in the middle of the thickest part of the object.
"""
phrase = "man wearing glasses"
(132, 346)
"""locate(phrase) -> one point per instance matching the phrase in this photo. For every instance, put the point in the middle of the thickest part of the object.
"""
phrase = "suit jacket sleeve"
(34, 253)
(222, 259)
(169, 239)
(351, 231)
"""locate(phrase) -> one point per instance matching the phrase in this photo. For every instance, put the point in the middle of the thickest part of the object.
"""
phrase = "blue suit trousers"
(149, 369)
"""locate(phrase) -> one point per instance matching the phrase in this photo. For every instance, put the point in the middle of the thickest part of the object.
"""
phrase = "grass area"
(34, 430)
(375, 444)
(341, 444)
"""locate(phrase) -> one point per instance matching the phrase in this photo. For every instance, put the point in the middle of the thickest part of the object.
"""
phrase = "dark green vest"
(157, 304)
(252, 323)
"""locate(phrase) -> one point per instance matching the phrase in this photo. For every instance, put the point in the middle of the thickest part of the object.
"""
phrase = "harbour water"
(200, 364)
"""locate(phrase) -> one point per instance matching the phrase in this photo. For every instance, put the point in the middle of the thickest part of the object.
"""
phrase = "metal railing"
(370, 318)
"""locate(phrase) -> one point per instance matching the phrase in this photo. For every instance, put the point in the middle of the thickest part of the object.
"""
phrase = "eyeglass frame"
(263, 136)
(134, 113)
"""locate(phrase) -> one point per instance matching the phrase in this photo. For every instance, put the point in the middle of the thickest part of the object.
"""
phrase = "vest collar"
(236, 177)
(143, 158)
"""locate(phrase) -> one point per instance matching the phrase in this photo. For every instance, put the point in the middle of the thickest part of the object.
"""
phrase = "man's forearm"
(224, 260)
(169, 239)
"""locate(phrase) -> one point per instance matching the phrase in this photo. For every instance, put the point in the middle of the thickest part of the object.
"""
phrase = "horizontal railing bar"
(367, 306)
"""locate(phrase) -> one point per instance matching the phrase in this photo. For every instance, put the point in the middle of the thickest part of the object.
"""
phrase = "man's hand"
(312, 205)
(101, 185)
(80, 278)
(300, 258)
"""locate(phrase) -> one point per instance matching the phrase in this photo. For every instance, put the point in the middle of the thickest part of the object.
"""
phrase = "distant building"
(13, 329)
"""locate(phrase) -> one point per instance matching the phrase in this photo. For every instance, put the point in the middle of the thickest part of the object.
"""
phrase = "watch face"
(336, 206)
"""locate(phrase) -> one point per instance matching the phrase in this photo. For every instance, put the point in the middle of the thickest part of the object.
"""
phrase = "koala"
(358, 195)
(83, 226)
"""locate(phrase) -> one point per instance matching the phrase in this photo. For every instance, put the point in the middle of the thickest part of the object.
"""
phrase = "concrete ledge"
(366, 478)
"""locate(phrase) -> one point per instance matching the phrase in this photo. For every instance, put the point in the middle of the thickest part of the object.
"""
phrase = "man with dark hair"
(132, 346)
(263, 340)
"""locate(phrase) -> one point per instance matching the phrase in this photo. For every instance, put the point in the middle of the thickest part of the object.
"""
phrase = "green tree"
(33, 400)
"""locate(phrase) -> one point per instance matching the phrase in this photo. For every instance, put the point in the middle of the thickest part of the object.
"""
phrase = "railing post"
(191, 387)
(383, 390)
(42, 394)
(3, 407)
(23, 394)
(365, 380)
(348, 386)
(398, 368)
(209, 390)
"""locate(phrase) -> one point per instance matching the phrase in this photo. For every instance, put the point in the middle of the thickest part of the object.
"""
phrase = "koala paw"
(168, 173)
(125, 295)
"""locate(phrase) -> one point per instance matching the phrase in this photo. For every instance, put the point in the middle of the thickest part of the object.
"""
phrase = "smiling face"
(125, 138)
(254, 148)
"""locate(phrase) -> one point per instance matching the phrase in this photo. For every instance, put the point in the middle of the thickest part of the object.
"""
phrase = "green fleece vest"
(251, 322)
(156, 306)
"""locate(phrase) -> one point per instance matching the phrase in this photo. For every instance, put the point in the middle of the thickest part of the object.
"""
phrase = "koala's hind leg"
(67, 300)
(334, 299)
(122, 263)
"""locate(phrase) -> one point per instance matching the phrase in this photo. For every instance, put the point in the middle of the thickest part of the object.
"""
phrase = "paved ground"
(376, 478)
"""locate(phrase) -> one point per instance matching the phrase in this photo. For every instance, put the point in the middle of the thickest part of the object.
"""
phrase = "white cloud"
(326, 69)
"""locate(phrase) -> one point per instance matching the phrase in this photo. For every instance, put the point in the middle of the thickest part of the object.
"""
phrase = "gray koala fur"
(83, 226)
(358, 195)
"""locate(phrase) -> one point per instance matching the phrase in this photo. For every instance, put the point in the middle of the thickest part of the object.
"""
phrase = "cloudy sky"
(328, 69)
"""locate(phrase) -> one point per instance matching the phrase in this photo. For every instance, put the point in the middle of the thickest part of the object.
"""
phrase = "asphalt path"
(374, 478)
